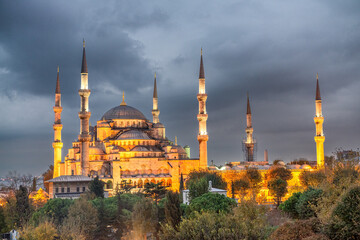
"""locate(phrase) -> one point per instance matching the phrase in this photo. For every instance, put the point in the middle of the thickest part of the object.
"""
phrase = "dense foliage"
(211, 202)
(96, 186)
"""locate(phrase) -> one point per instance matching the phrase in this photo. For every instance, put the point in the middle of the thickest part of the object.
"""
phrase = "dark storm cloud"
(273, 49)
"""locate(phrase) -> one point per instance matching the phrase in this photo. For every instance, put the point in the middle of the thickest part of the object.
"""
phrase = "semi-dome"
(133, 134)
(123, 112)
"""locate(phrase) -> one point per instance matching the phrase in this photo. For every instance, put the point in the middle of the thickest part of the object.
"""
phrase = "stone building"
(124, 147)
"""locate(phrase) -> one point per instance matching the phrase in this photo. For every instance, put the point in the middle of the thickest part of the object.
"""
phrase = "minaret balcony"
(202, 97)
(57, 144)
(203, 137)
(84, 92)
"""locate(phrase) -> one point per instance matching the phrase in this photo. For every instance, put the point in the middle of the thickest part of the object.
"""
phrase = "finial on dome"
(123, 103)
(83, 42)
(175, 140)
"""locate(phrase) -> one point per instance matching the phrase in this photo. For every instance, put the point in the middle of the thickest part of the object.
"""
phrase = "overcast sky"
(273, 49)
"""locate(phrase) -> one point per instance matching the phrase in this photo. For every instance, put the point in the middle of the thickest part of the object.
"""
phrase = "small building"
(185, 193)
(68, 186)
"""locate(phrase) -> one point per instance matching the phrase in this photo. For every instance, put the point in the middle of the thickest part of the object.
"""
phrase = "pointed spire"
(123, 103)
(318, 96)
(57, 90)
(155, 88)
(84, 68)
(201, 73)
(248, 111)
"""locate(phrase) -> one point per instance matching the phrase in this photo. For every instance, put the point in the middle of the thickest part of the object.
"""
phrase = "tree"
(55, 210)
(48, 175)
(248, 221)
(15, 180)
(289, 206)
(299, 229)
(23, 207)
(103, 232)
(255, 180)
(155, 191)
(241, 186)
(345, 174)
(312, 179)
(307, 203)
(279, 172)
(3, 225)
(34, 185)
(277, 188)
(144, 219)
(44, 231)
(81, 222)
(96, 186)
(198, 188)
(211, 202)
(172, 209)
(345, 217)
(215, 178)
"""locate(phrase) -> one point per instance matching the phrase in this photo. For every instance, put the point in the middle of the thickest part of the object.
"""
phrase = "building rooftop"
(71, 178)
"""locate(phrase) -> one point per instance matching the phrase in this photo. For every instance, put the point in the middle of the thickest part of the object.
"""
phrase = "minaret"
(84, 116)
(57, 144)
(319, 120)
(202, 116)
(155, 112)
(249, 143)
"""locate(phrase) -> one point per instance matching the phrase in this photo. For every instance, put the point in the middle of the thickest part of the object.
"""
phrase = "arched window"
(168, 183)
(109, 184)
(140, 184)
(153, 181)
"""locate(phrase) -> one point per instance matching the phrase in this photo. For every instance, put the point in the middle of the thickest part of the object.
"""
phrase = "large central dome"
(123, 112)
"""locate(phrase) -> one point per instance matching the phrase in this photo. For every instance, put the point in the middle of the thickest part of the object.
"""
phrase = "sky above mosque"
(272, 49)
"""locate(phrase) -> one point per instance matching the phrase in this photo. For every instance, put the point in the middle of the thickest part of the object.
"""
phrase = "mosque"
(127, 149)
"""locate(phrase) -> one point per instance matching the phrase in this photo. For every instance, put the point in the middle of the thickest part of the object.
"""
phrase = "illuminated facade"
(125, 148)
(319, 120)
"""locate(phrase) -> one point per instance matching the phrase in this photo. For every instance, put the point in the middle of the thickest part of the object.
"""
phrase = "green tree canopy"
(211, 202)
(277, 188)
(55, 210)
(289, 206)
(279, 172)
(81, 222)
(214, 177)
(198, 188)
(172, 209)
(96, 186)
(307, 202)
(346, 216)
(312, 178)
(23, 208)
(248, 221)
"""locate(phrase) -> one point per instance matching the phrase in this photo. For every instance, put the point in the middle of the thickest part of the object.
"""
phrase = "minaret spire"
(319, 120)
(57, 90)
(318, 96)
(155, 111)
(84, 68)
(249, 143)
(57, 144)
(84, 115)
(202, 116)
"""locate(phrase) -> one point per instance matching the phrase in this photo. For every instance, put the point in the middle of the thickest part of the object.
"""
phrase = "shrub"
(307, 203)
(211, 202)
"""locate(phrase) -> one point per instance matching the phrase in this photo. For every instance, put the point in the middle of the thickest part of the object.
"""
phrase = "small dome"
(140, 149)
(123, 112)
(133, 134)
